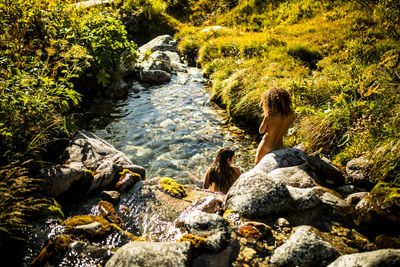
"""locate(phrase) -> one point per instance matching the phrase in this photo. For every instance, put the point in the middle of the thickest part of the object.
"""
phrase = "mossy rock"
(196, 241)
(74, 225)
(175, 189)
(387, 197)
(52, 249)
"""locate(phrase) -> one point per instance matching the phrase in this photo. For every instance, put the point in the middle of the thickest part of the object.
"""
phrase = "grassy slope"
(338, 59)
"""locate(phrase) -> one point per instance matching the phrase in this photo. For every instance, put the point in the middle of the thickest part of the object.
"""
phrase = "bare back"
(214, 187)
(275, 127)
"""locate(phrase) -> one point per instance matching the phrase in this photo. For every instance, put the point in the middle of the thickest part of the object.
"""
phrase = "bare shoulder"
(237, 171)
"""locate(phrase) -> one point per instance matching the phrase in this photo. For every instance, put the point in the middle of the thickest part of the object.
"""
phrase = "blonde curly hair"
(276, 100)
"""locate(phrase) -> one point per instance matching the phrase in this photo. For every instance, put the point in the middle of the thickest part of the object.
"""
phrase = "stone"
(155, 76)
(110, 196)
(355, 197)
(256, 230)
(385, 241)
(285, 157)
(304, 248)
(345, 190)
(117, 90)
(211, 226)
(382, 258)
(148, 254)
(357, 172)
(160, 43)
(127, 181)
(328, 173)
(59, 178)
(296, 176)
(255, 195)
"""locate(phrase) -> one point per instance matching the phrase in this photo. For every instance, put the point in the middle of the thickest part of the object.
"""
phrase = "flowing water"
(172, 129)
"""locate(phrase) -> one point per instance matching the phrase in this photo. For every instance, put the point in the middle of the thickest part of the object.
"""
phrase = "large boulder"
(90, 163)
(149, 254)
(160, 43)
(381, 258)
(357, 172)
(297, 176)
(281, 158)
(304, 248)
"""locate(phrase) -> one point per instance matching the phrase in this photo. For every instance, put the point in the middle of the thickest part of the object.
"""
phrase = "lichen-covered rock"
(355, 197)
(357, 172)
(211, 226)
(127, 180)
(382, 258)
(281, 158)
(255, 195)
(172, 187)
(149, 254)
(304, 248)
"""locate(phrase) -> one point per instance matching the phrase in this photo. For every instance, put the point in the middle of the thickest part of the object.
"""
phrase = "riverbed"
(172, 129)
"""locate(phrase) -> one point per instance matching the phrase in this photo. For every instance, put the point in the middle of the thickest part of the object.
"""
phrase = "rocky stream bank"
(292, 209)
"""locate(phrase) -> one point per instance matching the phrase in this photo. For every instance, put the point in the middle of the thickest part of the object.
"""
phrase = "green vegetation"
(340, 60)
(172, 187)
(50, 51)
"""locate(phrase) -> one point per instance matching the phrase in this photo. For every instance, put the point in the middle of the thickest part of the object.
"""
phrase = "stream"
(172, 129)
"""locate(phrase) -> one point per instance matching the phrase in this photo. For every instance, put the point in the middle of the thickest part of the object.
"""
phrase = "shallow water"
(172, 129)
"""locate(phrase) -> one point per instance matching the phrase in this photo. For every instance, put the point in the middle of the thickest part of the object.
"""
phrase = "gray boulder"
(160, 43)
(304, 248)
(296, 176)
(86, 151)
(281, 158)
(154, 76)
(381, 258)
(117, 90)
(149, 254)
(357, 172)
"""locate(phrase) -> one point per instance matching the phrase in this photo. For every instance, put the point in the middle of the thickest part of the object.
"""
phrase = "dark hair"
(221, 173)
(276, 100)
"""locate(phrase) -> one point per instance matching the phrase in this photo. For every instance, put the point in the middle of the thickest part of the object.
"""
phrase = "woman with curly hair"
(221, 175)
(278, 117)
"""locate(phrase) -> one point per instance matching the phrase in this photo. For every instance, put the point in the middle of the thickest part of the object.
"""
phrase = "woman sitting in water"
(221, 175)
(278, 117)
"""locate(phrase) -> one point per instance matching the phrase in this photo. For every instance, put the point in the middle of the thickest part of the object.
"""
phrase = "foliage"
(339, 59)
(17, 200)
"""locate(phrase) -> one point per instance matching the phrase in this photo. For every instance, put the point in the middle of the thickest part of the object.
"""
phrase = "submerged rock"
(383, 258)
(142, 254)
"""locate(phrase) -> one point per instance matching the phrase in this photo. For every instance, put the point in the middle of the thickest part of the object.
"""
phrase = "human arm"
(264, 125)
(206, 183)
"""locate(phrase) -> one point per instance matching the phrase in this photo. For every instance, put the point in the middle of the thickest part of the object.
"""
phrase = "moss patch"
(197, 242)
(52, 249)
(387, 197)
(107, 211)
(175, 189)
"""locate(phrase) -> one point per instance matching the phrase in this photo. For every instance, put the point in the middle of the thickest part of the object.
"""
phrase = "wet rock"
(256, 230)
(304, 248)
(345, 190)
(110, 196)
(356, 197)
(152, 209)
(117, 90)
(211, 226)
(296, 176)
(383, 257)
(155, 76)
(281, 158)
(281, 223)
(106, 210)
(127, 180)
(152, 254)
(357, 172)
